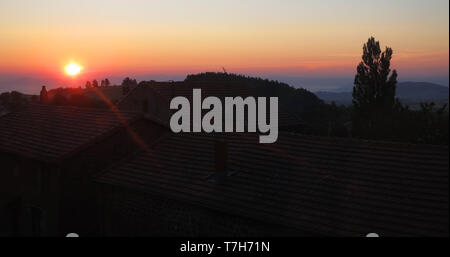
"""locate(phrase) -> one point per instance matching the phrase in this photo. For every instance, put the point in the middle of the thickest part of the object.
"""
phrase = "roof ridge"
(359, 140)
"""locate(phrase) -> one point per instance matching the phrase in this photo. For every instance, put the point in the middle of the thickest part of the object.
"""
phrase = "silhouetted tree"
(12, 101)
(128, 84)
(434, 124)
(44, 95)
(374, 93)
(102, 83)
(107, 83)
(88, 84)
(95, 83)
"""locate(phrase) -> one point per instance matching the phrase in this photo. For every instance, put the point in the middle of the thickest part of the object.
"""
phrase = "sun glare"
(73, 69)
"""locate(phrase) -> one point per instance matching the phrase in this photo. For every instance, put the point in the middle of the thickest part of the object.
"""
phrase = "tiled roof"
(49, 133)
(319, 185)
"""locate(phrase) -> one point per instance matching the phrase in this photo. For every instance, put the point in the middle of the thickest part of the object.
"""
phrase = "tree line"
(94, 83)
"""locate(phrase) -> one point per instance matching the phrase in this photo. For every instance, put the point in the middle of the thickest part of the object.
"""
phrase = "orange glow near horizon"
(300, 38)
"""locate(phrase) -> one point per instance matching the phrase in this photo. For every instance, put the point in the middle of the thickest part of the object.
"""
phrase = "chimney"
(221, 158)
(43, 97)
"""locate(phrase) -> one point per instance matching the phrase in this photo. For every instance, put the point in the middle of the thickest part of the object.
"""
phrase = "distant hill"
(421, 91)
(410, 93)
(290, 98)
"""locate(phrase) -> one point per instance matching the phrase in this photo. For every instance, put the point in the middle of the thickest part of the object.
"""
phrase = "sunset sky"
(283, 38)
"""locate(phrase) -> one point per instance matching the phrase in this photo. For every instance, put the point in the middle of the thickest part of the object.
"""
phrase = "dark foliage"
(107, 83)
(128, 84)
(43, 97)
(379, 115)
(328, 120)
(426, 126)
(374, 93)
(291, 99)
(74, 97)
(12, 101)
(94, 83)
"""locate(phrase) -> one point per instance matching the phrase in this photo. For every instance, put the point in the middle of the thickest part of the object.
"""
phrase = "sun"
(73, 69)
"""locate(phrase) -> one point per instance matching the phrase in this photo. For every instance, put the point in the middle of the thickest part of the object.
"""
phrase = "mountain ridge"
(408, 92)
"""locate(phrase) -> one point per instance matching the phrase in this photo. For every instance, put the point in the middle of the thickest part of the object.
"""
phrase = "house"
(47, 155)
(229, 185)
(109, 172)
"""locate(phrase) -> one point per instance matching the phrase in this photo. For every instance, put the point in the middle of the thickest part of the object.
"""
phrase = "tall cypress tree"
(374, 93)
